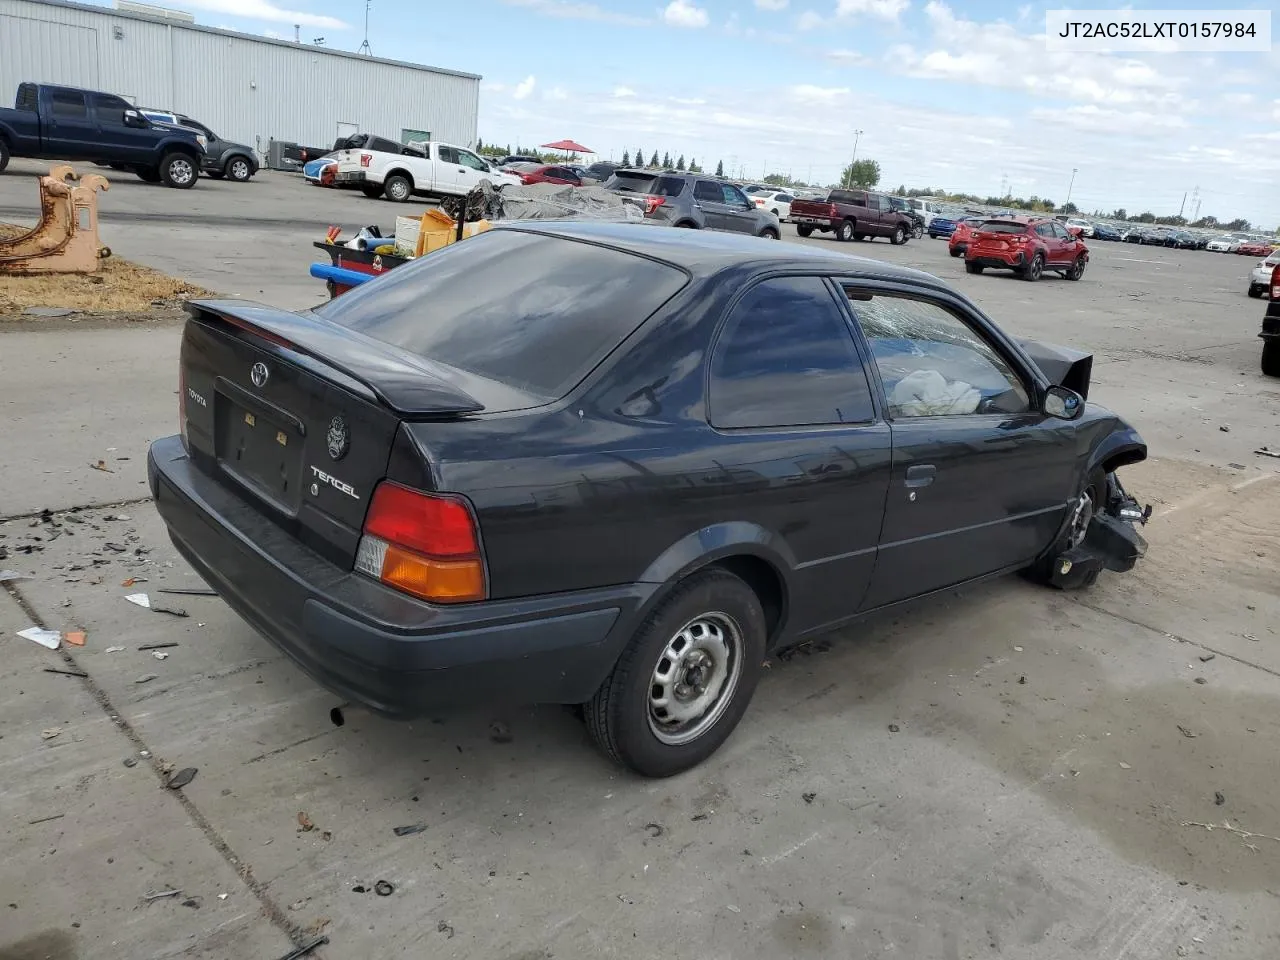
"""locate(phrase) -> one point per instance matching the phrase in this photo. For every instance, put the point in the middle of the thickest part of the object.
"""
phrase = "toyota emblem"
(337, 438)
(258, 373)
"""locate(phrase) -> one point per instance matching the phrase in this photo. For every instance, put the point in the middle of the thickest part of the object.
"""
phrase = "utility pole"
(1183, 205)
(849, 179)
(1072, 184)
(364, 47)
(1004, 185)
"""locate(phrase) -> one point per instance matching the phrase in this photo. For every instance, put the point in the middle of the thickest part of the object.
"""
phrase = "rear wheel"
(956, 251)
(1255, 290)
(1271, 356)
(1076, 270)
(899, 236)
(685, 679)
(971, 267)
(4, 154)
(1035, 269)
(769, 233)
(397, 188)
(845, 232)
(805, 231)
(1091, 498)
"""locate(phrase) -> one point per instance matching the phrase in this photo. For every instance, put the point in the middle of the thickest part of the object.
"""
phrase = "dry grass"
(118, 287)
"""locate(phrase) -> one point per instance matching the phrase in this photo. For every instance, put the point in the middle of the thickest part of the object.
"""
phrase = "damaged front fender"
(1111, 542)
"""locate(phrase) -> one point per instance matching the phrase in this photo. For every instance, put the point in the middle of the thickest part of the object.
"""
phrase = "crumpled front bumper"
(1112, 541)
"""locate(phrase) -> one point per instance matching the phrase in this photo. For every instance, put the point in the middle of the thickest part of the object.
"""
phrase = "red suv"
(545, 173)
(1028, 246)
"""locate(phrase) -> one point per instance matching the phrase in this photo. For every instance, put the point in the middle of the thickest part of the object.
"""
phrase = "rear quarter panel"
(21, 130)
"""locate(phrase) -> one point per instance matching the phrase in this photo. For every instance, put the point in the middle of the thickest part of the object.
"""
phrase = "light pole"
(849, 179)
(1074, 171)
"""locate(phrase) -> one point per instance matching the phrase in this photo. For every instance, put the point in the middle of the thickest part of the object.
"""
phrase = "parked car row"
(694, 201)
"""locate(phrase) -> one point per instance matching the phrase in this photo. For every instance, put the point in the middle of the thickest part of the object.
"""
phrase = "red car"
(1028, 246)
(545, 173)
(1255, 248)
(962, 234)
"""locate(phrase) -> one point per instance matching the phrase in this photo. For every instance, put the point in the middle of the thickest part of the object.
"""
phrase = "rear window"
(632, 182)
(667, 187)
(530, 311)
(1003, 226)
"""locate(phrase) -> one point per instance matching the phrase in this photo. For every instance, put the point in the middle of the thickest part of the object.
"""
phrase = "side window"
(449, 155)
(1045, 230)
(68, 103)
(933, 364)
(109, 109)
(735, 197)
(785, 198)
(1059, 231)
(883, 204)
(472, 161)
(787, 358)
(709, 191)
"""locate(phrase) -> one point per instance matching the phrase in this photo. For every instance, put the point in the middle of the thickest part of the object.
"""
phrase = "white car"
(1085, 226)
(779, 204)
(421, 168)
(1223, 245)
(1260, 279)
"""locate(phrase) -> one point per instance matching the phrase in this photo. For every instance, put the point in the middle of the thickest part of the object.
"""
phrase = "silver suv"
(696, 202)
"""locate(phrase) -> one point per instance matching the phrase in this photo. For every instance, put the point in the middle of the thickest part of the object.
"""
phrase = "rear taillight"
(653, 203)
(1275, 283)
(526, 179)
(426, 544)
(366, 159)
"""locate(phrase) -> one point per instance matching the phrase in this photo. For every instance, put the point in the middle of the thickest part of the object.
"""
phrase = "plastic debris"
(74, 637)
(305, 823)
(160, 655)
(1188, 733)
(162, 895)
(808, 797)
(444, 927)
(409, 830)
(130, 762)
(50, 733)
(172, 611)
(146, 678)
(12, 576)
(223, 896)
(113, 649)
(141, 599)
(181, 778)
(1125, 766)
(46, 638)
(1206, 657)
(1219, 798)
(383, 888)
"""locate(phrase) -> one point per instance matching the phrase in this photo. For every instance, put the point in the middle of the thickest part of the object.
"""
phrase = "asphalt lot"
(1046, 793)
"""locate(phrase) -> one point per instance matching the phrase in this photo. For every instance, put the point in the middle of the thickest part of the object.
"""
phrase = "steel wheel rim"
(180, 171)
(694, 679)
(1036, 267)
(899, 236)
(240, 170)
(1080, 520)
(399, 190)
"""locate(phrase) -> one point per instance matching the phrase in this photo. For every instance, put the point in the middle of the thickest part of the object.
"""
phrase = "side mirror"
(1062, 403)
(132, 118)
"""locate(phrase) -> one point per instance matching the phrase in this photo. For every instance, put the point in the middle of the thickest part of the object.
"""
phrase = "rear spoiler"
(410, 385)
(1063, 366)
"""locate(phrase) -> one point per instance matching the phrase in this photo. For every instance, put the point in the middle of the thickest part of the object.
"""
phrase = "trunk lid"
(300, 415)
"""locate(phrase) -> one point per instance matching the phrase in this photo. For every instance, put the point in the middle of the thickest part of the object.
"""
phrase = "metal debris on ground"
(52, 816)
(181, 778)
(305, 949)
(1264, 452)
(12, 576)
(189, 591)
(159, 646)
(50, 733)
(102, 465)
(305, 823)
(1189, 734)
(1206, 657)
(1201, 680)
(172, 611)
(130, 762)
(161, 895)
(383, 888)
(146, 678)
(65, 673)
(46, 638)
(409, 830)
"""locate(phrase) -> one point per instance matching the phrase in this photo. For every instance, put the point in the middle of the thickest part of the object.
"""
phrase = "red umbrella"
(569, 146)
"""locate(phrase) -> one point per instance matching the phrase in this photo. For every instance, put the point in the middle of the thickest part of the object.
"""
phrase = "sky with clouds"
(947, 93)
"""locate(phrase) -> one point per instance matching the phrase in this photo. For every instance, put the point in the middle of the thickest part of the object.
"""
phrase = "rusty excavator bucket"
(66, 238)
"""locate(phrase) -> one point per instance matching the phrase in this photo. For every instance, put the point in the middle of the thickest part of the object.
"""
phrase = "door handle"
(921, 475)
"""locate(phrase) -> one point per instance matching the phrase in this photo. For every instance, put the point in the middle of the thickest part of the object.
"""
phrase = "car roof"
(705, 252)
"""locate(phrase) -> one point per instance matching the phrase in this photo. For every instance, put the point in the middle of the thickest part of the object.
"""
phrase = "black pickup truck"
(65, 123)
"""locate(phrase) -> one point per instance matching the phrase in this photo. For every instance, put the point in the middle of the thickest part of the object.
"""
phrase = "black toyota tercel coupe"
(618, 466)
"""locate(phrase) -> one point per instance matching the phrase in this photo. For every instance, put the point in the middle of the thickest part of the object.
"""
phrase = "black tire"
(971, 267)
(398, 188)
(955, 251)
(1095, 488)
(1255, 290)
(805, 231)
(1076, 270)
(845, 232)
(148, 174)
(371, 190)
(769, 233)
(238, 169)
(179, 171)
(899, 236)
(622, 717)
(1034, 270)
(687, 225)
(4, 154)
(1271, 356)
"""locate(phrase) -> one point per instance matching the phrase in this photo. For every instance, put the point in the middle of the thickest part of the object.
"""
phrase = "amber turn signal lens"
(441, 581)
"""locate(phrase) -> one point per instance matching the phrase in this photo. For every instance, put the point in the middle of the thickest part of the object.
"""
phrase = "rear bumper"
(987, 258)
(375, 646)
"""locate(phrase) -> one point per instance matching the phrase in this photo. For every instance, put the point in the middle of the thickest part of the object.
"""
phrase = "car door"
(981, 477)
(884, 214)
(793, 416)
(709, 196)
(1069, 246)
(71, 132)
(739, 212)
(471, 169)
(447, 170)
(1049, 242)
(121, 141)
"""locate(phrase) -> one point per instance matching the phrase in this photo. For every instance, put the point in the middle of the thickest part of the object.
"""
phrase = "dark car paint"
(218, 153)
(31, 129)
(871, 214)
(820, 519)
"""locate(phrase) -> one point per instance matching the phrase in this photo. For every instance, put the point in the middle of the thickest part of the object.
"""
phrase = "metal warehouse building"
(249, 89)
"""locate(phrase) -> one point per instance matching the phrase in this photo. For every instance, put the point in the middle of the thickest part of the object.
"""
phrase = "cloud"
(269, 12)
(525, 87)
(808, 93)
(1102, 120)
(847, 57)
(809, 20)
(623, 92)
(557, 93)
(682, 13)
(772, 4)
(567, 10)
(887, 10)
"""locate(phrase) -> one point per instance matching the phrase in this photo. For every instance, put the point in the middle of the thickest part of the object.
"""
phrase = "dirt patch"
(119, 287)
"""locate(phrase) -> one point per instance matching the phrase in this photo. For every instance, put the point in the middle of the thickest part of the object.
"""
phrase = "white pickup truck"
(421, 168)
